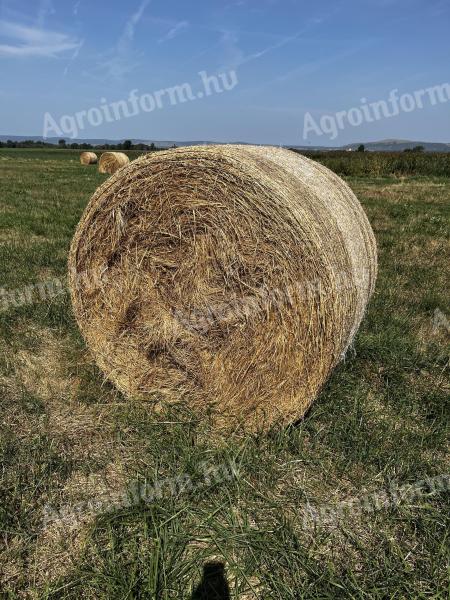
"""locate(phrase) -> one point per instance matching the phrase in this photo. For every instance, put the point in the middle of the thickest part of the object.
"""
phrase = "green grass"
(382, 164)
(66, 435)
(52, 154)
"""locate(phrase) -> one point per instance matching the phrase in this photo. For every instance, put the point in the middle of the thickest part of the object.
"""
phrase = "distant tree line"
(126, 145)
(362, 148)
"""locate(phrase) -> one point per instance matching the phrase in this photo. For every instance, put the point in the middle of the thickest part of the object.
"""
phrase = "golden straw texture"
(232, 278)
(88, 158)
(110, 162)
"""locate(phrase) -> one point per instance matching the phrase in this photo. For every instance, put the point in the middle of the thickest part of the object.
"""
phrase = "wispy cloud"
(311, 23)
(76, 7)
(130, 26)
(307, 68)
(174, 31)
(72, 58)
(45, 9)
(283, 42)
(233, 55)
(112, 66)
(120, 60)
(24, 41)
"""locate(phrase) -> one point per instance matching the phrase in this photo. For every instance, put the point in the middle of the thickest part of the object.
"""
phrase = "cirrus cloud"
(23, 41)
(174, 31)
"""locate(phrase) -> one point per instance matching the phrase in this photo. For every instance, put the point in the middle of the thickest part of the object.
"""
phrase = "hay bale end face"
(110, 162)
(229, 277)
(88, 158)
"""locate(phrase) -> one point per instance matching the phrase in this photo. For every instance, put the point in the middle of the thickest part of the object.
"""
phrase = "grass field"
(381, 164)
(68, 437)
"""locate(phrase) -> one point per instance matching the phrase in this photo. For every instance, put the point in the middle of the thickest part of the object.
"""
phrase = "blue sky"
(291, 57)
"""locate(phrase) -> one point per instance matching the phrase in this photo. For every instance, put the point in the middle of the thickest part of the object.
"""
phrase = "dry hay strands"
(88, 158)
(234, 278)
(110, 162)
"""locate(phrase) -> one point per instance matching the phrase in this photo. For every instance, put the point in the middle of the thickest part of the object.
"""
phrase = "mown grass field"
(67, 436)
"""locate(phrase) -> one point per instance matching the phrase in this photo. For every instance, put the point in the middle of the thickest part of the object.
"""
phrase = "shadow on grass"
(213, 585)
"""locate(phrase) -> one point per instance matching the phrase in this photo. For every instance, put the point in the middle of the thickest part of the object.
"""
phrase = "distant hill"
(382, 146)
(393, 145)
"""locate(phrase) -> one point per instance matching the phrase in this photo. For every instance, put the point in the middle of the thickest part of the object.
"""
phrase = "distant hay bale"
(88, 158)
(110, 162)
(232, 278)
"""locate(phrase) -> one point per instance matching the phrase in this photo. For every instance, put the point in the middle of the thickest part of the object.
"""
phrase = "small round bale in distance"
(232, 278)
(110, 162)
(88, 158)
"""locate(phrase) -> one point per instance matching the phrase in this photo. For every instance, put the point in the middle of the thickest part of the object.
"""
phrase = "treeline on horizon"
(125, 145)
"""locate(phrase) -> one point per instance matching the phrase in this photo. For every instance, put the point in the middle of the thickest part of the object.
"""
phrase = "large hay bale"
(88, 158)
(110, 162)
(231, 277)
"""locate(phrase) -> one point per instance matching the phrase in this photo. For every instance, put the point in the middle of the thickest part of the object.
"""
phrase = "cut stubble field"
(68, 437)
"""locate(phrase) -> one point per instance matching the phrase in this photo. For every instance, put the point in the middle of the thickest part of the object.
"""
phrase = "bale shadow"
(213, 585)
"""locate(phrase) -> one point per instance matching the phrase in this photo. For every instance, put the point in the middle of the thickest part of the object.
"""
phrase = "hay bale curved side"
(110, 162)
(231, 277)
(88, 158)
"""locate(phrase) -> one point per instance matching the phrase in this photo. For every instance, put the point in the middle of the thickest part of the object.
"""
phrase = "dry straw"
(234, 278)
(88, 158)
(110, 162)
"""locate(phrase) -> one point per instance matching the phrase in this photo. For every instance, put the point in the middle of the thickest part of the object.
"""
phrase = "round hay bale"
(110, 162)
(232, 278)
(88, 158)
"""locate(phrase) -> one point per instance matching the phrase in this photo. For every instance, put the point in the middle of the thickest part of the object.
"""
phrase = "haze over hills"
(389, 145)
